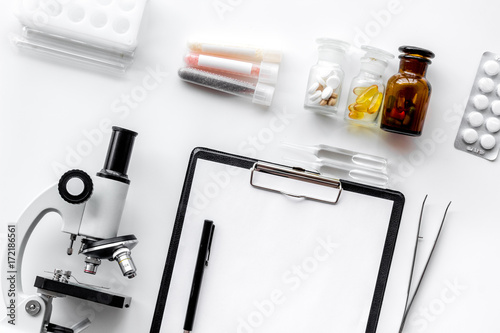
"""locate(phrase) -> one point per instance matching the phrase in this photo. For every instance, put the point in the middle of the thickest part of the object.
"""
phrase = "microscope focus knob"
(75, 186)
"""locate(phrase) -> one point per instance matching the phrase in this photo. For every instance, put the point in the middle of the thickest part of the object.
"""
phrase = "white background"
(47, 108)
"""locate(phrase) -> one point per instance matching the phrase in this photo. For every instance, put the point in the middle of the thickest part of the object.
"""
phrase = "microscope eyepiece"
(118, 156)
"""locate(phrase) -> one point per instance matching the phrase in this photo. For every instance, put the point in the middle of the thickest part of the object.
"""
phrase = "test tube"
(259, 93)
(265, 72)
(243, 52)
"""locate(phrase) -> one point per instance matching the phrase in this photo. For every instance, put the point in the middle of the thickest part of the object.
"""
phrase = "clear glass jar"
(367, 89)
(408, 93)
(326, 77)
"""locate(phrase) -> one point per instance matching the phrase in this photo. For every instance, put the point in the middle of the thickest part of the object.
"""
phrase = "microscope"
(91, 208)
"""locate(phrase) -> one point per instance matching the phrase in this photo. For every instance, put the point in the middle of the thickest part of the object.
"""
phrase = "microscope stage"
(82, 292)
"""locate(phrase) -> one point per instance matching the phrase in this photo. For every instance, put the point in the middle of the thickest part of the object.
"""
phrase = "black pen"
(201, 262)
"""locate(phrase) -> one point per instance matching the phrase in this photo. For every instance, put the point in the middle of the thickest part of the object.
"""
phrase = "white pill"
(493, 124)
(333, 82)
(313, 88)
(491, 67)
(327, 92)
(315, 97)
(480, 102)
(315, 101)
(320, 80)
(486, 85)
(495, 108)
(488, 141)
(470, 136)
(325, 73)
(498, 90)
(475, 119)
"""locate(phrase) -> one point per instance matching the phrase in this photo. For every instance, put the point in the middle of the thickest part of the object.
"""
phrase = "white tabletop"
(56, 117)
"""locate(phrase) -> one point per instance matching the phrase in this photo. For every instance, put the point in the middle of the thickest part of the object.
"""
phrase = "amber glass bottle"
(408, 93)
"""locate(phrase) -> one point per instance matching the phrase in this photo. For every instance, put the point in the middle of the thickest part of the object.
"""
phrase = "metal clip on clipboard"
(295, 182)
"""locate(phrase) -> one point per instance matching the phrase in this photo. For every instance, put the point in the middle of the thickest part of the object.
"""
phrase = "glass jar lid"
(413, 52)
(376, 53)
(332, 43)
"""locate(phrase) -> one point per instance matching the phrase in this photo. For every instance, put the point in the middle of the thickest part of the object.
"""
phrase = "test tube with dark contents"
(259, 93)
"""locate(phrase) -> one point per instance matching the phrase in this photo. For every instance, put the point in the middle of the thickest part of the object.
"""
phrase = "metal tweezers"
(409, 301)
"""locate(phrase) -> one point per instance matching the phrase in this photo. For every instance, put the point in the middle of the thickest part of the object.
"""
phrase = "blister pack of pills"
(97, 32)
(479, 131)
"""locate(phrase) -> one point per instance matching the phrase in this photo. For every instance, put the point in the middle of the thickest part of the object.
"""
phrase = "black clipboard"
(174, 289)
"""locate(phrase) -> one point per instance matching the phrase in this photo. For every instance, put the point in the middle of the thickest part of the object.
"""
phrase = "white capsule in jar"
(316, 97)
(333, 82)
(320, 80)
(327, 93)
(325, 73)
(313, 88)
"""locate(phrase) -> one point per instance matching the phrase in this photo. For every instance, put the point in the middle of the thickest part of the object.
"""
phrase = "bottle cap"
(269, 72)
(263, 94)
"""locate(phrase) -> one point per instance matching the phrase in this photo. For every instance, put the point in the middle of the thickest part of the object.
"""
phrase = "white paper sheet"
(277, 264)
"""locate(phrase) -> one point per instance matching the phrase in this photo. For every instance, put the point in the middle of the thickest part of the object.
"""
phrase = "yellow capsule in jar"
(359, 90)
(356, 115)
(375, 104)
(367, 95)
(360, 107)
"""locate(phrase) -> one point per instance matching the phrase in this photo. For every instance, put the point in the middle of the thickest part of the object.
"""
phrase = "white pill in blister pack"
(495, 108)
(486, 85)
(480, 127)
(488, 141)
(480, 102)
(475, 119)
(493, 125)
(491, 67)
(469, 135)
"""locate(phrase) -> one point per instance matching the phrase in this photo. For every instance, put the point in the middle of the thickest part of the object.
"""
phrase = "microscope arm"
(49, 201)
